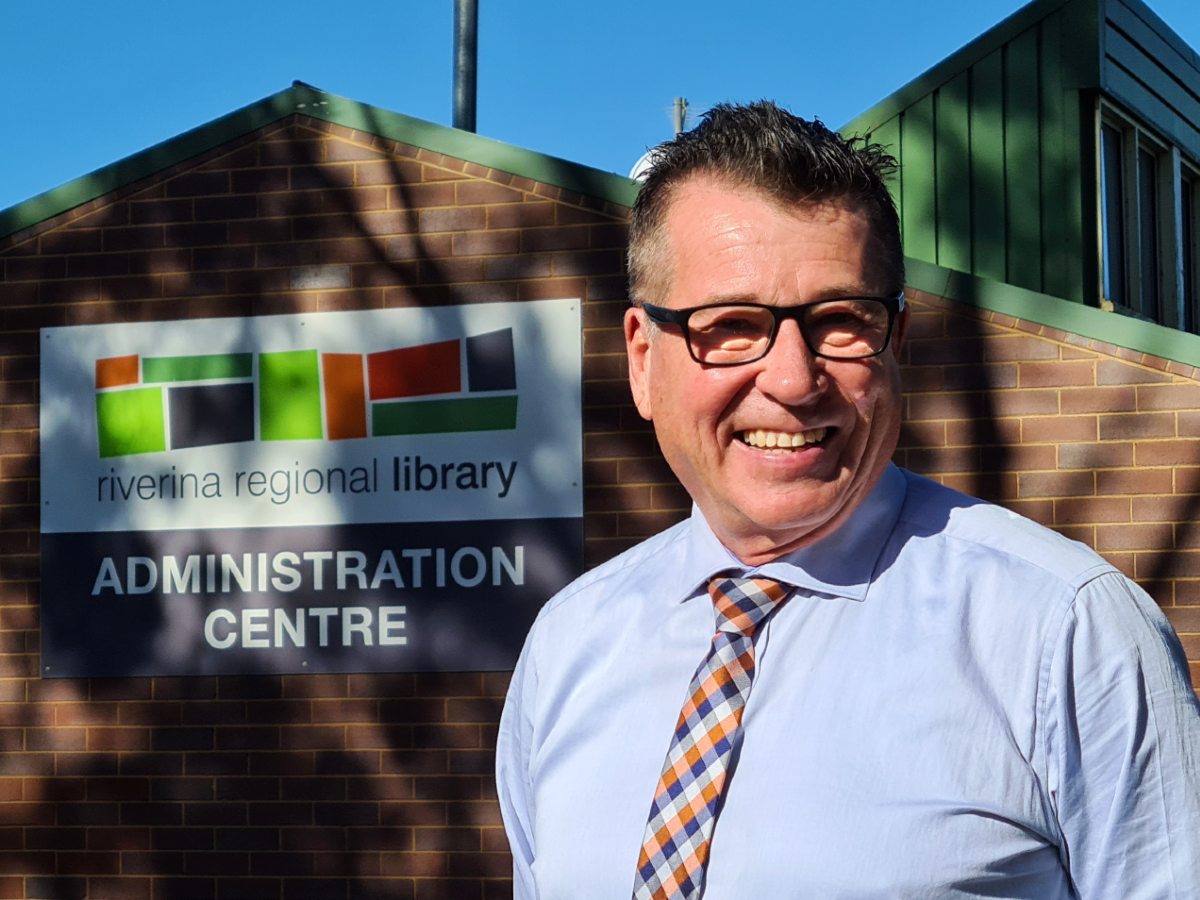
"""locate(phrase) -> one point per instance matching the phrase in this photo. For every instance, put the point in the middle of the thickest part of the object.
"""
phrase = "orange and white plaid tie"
(675, 847)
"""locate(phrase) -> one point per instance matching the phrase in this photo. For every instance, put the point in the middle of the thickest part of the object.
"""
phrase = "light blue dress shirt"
(956, 702)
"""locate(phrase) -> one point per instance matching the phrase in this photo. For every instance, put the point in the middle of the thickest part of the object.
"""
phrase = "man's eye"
(734, 326)
(839, 319)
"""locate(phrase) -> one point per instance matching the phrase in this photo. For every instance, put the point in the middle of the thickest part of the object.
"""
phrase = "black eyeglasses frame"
(662, 315)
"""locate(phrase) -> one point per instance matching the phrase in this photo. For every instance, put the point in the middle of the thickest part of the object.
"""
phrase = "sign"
(382, 490)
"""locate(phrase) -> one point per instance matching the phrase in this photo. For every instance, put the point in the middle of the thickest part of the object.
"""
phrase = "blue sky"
(88, 83)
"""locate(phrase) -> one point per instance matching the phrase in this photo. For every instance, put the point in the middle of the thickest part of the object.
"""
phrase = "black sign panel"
(437, 596)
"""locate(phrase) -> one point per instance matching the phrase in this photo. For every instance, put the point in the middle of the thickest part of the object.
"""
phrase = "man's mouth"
(782, 440)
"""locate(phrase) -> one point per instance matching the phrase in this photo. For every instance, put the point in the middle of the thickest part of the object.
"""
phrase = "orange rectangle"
(345, 396)
(415, 371)
(116, 371)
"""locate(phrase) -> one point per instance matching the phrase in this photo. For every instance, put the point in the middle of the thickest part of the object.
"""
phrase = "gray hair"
(765, 148)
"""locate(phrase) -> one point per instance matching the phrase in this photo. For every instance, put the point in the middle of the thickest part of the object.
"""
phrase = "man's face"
(720, 428)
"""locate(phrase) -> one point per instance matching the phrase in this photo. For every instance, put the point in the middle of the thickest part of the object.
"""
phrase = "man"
(935, 698)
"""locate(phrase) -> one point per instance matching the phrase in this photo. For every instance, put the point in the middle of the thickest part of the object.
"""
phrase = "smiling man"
(836, 679)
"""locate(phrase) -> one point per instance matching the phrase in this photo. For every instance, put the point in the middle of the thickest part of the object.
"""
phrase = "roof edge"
(1054, 312)
(300, 98)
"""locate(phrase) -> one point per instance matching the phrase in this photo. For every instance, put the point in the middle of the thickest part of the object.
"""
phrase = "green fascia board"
(317, 104)
(958, 61)
(1055, 312)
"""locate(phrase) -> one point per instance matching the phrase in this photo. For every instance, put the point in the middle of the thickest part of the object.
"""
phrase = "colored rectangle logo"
(289, 396)
(445, 416)
(415, 371)
(210, 367)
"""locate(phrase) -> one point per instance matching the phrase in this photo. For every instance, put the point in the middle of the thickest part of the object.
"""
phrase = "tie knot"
(743, 603)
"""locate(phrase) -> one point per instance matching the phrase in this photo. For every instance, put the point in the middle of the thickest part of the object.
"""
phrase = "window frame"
(1174, 285)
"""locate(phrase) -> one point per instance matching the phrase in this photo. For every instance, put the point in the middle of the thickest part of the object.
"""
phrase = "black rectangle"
(300, 599)
(205, 414)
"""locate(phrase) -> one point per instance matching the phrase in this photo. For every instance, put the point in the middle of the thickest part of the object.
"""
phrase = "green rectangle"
(918, 215)
(988, 225)
(157, 369)
(129, 422)
(1022, 162)
(952, 122)
(289, 396)
(438, 416)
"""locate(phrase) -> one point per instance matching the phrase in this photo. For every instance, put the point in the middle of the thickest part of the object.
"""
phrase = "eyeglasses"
(733, 334)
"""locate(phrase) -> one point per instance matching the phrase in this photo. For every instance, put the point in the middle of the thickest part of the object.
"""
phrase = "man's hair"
(765, 148)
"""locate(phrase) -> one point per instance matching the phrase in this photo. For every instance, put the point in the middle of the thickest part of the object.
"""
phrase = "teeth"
(782, 440)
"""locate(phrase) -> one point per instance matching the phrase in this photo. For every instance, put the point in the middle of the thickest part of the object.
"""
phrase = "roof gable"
(305, 100)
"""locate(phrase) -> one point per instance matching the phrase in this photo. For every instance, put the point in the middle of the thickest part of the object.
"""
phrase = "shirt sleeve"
(1123, 748)
(513, 783)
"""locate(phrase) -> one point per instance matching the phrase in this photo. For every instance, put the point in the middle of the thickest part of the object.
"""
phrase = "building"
(351, 784)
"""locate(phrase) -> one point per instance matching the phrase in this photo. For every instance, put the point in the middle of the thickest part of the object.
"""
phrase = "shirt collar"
(839, 565)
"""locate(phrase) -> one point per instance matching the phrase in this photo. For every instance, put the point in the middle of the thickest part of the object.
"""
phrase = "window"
(1149, 196)
(1189, 275)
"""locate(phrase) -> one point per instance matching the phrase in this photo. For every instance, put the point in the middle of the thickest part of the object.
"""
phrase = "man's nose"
(791, 373)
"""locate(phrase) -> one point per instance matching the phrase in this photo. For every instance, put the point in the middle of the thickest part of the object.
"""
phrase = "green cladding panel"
(1023, 162)
(986, 116)
(989, 143)
(953, 174)
(918, 215)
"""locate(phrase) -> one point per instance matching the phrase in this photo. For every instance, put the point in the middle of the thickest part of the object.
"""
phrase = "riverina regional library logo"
(149, 404)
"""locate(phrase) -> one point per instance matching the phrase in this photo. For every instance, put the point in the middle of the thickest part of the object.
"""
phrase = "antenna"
(679, 111)
(679, 114)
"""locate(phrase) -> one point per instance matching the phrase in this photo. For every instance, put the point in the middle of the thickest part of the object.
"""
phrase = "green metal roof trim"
(331, 108)
(958, 61)
(1054, 312)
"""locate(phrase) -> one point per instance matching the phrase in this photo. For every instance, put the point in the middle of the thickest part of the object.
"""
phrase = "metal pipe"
(466, 34)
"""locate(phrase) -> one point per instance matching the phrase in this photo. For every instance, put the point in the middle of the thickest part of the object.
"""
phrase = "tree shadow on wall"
(218, 778)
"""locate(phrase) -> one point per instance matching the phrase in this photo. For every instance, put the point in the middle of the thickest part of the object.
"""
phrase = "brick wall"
(363, 786)
(338, 786)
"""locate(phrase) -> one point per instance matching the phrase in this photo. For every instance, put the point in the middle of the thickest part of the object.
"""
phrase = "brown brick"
(511, 268)
(1167, 453)
(150, 212)
(1056, 484)
(1059, 428)
(486, 243)
(1057, 373)
(1024, 402)
(1158, 564)
(1144, 425)
(1158, 508)
(1110, 371)
(1134, 481)
(1168, 396)
(521, 215)
(574, 237)
(1095, 456)
(1088, 510)
(470, 193)
(1185, 619)
(1133, 537)
(451, 219)
(1099, 399)
(198, 184)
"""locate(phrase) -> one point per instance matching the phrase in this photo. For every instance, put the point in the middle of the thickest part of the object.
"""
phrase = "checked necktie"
(675, 847)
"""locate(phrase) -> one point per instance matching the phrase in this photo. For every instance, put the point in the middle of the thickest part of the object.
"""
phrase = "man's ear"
(900, 331)
(637, 347)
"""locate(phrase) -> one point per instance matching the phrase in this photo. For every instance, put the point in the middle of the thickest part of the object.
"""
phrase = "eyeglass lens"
(852, 328)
